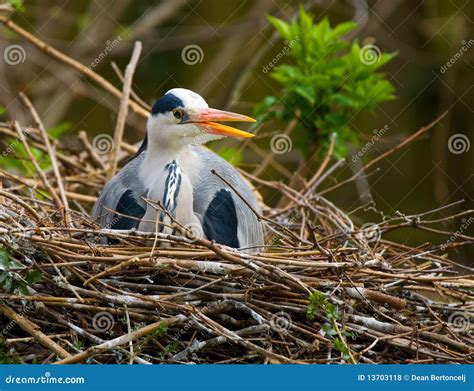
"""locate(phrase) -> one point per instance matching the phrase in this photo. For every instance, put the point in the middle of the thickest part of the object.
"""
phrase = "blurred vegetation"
(330, 81)
(14, 156)
(237, 39)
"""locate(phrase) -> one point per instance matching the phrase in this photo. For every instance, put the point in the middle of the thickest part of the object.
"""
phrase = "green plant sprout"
(319, 302)
(328, 82)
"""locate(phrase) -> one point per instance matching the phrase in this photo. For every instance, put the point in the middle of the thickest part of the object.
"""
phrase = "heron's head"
(182, 117)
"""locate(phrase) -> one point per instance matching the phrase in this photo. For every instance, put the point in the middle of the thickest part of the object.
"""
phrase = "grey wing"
(122, 195)
(219, 214)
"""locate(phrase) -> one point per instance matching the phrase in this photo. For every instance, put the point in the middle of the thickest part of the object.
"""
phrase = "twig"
(123, 110)
(38, 169)
(56, 54)
(52, 156)
(34, 331)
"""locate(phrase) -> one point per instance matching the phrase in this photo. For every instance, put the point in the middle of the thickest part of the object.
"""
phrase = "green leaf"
(161, 330)
(4, 259)
(343, 28)
(325, 81)
(282, 27)
(33, 277)
(58, 130)
(306, 92)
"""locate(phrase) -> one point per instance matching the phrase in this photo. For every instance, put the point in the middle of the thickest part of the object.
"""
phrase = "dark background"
(236, 42)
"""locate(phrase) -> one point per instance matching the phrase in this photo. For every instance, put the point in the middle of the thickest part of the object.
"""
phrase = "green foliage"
(12, 281)
(14, 155)
(171, 348)
(319, 302)
(161, 330)
(17, 5)
(329, 81)
(342, 347)
(5, 356)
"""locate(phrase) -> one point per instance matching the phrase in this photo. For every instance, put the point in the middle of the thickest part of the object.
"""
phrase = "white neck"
(157, 157)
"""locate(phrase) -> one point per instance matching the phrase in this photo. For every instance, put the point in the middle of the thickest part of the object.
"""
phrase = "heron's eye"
(178, 113)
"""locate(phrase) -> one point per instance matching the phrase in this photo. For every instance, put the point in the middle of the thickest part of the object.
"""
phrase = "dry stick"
(323, 166)
(111, 270)
(38, 169)
(90, 149)
(56, 54)
(22, 203)
(34, 331)
(123, 110)
(113, 343)
(378, 297)
(41, 147)
(132, 93)
(306, 189)
(52, 155)
(409, 139)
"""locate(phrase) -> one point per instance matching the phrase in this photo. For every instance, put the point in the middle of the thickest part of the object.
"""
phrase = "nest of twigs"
(321, 291)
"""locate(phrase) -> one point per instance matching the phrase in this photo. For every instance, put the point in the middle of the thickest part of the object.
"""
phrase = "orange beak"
(205, 119)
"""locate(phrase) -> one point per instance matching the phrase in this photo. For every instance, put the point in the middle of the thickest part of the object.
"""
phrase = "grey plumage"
(204, 189)
(173, 169)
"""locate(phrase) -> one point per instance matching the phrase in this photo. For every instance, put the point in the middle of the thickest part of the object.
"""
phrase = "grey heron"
(171, 167)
